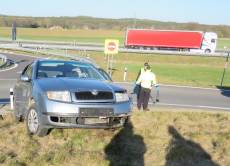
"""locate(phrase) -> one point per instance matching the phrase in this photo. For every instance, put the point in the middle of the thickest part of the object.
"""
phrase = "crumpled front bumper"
(78, 115)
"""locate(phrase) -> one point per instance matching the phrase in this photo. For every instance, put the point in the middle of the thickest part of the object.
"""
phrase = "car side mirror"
(25, 78)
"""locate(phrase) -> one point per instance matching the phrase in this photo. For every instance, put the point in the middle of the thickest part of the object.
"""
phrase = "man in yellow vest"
(137, 87)
(146, 80)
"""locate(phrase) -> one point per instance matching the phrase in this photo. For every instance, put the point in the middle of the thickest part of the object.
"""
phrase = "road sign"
(111, 46)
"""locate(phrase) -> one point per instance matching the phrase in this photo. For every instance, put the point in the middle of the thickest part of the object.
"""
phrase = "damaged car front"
(67, 94)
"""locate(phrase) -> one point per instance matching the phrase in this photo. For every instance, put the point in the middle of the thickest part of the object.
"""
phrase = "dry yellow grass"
(159, 137)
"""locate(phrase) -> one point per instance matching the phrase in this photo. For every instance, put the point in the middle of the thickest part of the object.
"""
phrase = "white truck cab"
(209, 42)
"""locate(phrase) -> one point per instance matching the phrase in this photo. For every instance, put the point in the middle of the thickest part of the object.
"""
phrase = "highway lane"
(21, 60)
(182, 96)
(8, 78)
(174, 96)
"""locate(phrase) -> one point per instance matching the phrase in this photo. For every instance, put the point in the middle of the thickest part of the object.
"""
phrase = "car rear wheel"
(33, 123)
(127, 122)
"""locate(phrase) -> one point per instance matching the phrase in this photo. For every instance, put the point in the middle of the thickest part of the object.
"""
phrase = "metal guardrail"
(125, 50)
(73, 43)
(41, 51)
(3, 57)
(36, 47)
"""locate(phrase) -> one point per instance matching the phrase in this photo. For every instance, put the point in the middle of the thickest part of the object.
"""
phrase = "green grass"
(42, 34)
(160, 137)
(224, 44)
(88, 36)
(1, 62)
(170, 69)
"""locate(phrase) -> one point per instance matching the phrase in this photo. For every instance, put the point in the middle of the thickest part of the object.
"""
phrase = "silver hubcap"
(33, 121)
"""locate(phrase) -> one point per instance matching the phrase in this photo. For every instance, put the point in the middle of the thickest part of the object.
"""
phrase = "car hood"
(74, 84)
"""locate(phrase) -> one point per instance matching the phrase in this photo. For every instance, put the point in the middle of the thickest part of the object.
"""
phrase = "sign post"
(111, 48)
(225, 67)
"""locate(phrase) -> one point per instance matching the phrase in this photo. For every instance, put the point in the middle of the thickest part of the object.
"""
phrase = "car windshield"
(53, 69)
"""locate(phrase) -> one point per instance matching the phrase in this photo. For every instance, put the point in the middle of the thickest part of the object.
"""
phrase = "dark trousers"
(143, 98)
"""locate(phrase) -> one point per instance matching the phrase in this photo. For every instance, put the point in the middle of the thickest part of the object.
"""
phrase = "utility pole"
(134, 21)
(14, 31)
(225, 67)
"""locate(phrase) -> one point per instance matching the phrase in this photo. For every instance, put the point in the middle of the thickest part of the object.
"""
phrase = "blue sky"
(202, 11)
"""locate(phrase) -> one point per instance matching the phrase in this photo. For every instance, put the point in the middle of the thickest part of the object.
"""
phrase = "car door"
(23, 90)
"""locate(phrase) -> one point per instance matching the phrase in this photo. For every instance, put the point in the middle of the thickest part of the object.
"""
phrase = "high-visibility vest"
(142, 70)
(147, 79)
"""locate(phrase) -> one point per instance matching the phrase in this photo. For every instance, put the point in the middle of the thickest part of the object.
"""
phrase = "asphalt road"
(8, 77)
(170, 95)
(188, 97)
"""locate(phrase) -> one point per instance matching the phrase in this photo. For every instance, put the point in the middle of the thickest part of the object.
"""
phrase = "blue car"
(68, 94)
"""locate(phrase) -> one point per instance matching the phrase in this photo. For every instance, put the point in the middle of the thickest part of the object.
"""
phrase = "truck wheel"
(207, 51)
(33, 123)
(141, 48)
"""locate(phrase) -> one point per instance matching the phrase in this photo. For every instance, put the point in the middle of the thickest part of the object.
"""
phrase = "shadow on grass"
(126, 148)
(225, 90)
(183, 152)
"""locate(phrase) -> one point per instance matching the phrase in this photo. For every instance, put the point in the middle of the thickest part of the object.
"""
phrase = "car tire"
(33, 123)
(127, 121)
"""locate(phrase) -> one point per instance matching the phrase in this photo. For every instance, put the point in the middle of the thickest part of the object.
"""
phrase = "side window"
(24, 71)
(28, 71)
(213, 41)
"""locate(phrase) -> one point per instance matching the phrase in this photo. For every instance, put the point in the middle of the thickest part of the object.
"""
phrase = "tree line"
(84, 22)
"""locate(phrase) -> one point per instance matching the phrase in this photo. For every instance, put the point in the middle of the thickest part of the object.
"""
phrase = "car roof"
(62, 61)
(79, 61)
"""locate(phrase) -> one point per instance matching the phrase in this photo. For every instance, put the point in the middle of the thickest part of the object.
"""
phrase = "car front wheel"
(33, 123)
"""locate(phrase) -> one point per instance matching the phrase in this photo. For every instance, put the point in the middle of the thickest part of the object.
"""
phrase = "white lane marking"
(190, 106)
(178, 86)
(11, 68)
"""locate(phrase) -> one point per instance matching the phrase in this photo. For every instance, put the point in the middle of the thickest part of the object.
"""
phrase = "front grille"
(95, 112)
(100, 95)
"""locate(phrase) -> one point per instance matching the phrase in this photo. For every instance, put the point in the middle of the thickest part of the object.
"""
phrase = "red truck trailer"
(168, 39)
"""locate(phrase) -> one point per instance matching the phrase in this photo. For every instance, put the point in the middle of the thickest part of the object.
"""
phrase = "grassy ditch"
(159, 137)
